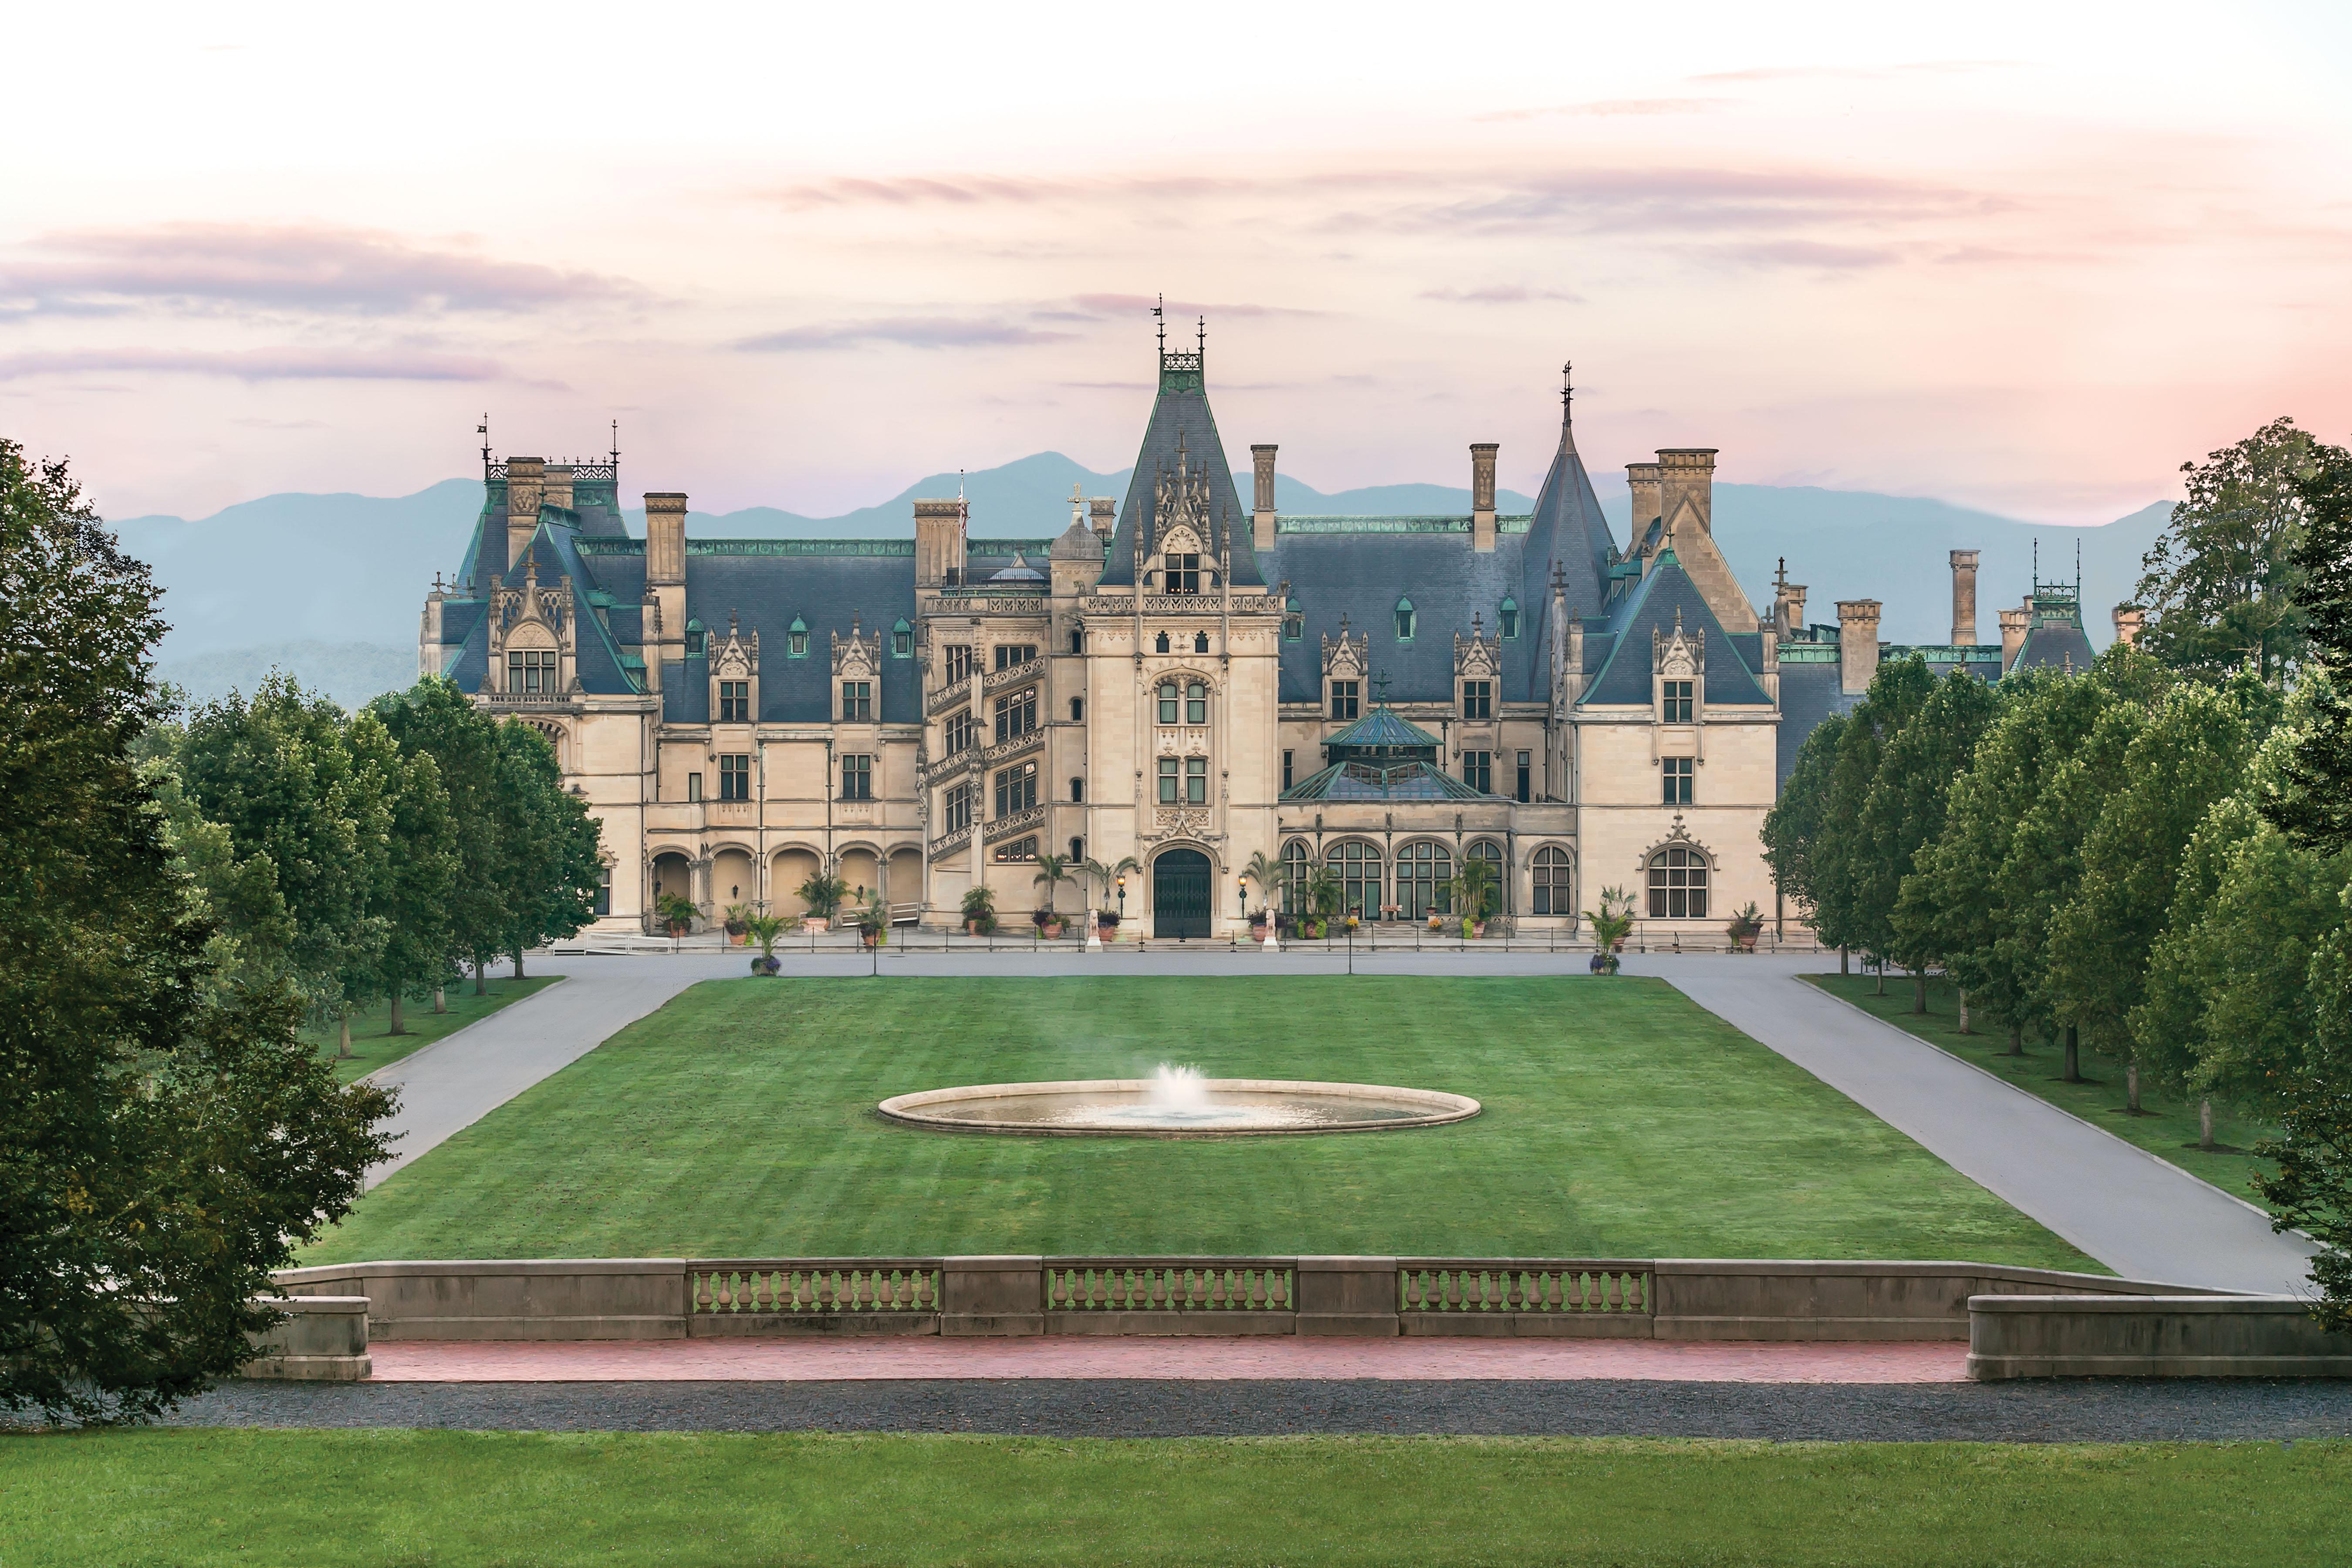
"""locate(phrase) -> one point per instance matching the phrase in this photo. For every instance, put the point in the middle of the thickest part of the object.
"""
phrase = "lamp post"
(1122, 898)
(1241, 898)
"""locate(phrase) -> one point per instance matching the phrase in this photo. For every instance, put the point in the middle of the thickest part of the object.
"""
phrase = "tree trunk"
(1841, 961)
(1882, 978)
(2205, 1124)
(2016, 1040)
(2131, 1088)
(440, 1003)
(2073, 1058)
(478, 989)
(397, 1028)
(344, 1052)
(518, 958)
(1964, 1013)
(1919, 991)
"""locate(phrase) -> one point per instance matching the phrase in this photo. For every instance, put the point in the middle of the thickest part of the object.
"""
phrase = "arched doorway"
(1180, 894)
(673, 878)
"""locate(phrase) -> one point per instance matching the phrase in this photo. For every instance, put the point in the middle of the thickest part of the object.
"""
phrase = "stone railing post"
(1351, 1296)
(999, 1295)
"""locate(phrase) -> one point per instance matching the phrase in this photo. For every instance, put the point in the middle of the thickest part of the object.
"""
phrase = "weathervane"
(483, 430)
(1159, 314)
(616, 448)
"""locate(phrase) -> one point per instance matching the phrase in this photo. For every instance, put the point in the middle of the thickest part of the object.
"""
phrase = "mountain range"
(329, 587)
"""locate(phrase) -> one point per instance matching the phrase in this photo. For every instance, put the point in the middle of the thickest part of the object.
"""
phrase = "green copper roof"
(1382, 727)
(1416, 780)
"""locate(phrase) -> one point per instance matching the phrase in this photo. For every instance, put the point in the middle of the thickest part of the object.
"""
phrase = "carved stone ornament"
(1345, 657)
(1478, 656)
(859, 653)
(1677, 655)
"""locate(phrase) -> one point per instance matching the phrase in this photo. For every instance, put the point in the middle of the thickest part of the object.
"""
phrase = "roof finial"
(1159, 314)
(1201, 341)
(1567, 388)
(483, 430)
(616, 450)
(1380, 688)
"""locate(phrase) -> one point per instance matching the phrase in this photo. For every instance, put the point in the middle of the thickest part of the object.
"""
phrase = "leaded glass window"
(1358, 868)
(1678, 885)
(1553, 895)
(1424, 879)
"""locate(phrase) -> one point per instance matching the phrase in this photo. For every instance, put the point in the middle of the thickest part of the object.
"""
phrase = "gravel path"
(2106, 1411)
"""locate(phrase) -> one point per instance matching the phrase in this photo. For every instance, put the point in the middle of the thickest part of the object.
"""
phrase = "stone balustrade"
(2019, 1322)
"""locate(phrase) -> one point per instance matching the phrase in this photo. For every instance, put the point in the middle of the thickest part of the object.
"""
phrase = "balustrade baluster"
(1616, 1300)
(727, 1291)
(1640, 1300)
(1453, 1286)
(804, 1290)
(1218, 1297)
(1551, 1302)
(1515, 1289)
(701, 1291)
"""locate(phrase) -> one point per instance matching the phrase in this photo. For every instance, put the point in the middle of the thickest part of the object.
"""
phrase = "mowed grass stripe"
(1620, 1118)
(328, 1498)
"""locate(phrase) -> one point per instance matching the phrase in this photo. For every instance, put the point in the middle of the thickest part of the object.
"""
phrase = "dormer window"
(796, 638)
(902, 640)
(1676, 699)
(1404, 619)
(532, 672)
(1509, 617)
(1182, 574)
(1294, 624)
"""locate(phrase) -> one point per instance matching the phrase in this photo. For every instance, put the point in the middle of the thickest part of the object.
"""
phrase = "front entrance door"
(1180, 894)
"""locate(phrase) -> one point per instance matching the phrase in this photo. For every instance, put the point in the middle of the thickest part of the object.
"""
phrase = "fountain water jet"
(1176, 1102)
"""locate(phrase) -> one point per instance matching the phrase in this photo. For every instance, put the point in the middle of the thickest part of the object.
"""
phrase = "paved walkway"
(2141, 1217)
(463, 1077)
(1206, 1359)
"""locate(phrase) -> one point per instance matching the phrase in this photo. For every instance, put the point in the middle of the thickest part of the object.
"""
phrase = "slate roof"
(1667, 598)
(1181, 414)
(1359, 578)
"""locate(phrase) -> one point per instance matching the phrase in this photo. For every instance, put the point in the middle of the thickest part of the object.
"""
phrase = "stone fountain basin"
(1137, 1108)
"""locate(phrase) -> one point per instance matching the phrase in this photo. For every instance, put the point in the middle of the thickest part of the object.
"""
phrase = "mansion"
(1177, 682)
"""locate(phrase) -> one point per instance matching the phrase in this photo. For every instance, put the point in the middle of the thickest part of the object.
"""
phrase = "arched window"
(1077, 791)
(797, 637)
(1487, 850)
(1160, 643)
(1357, 867)
(1553, 895)
(1678, 885)
(1404, 620)
(1294, 624)
(1077, 639)
(1293, 875)
(1200, 642)
(1196, 703)
(1168, 702)
(902, 640)
(1425, 880)
(1509, 617)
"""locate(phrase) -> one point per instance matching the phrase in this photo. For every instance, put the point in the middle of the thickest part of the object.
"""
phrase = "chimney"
(665, 540)
(1687, 474)
(1642, 478)
(2012, 634)
(526, 484)
(1262, 501)
(2131, 620)
(1103, 516)
(558, 490)
(1857, 643)
(1788, 609)
(1964, 598)
(939, 543)
(1482, 497)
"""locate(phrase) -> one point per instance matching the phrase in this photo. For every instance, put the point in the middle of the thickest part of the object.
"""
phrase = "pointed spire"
(1568, 406)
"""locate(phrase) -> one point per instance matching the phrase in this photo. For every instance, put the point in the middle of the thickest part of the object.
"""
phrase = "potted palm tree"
(764, 930)
(824, 894)
(738, 931)
(1612, 924)
(1265, 872)
(873, 922)
(1475, 895)
(979, 910)
(1324, 894)
(1105, 879)
(677, 911)
(1051, 871)
(1746, 927)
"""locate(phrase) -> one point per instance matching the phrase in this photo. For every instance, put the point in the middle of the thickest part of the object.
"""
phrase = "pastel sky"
(2024, 257)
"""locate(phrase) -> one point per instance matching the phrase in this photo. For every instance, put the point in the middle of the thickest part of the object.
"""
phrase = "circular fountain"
(1176, 1102)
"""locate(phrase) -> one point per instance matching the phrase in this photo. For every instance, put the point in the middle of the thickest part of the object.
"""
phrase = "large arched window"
(1678, 885)
(1487, 850)
(1293, 875)
(1357, 867)
(1553, 893)
(1425, 880)
(1404, 620)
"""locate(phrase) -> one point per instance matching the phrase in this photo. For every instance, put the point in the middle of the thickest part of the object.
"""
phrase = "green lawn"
(1620, 1121)
(372, 1047)
(322, 1499)
(2166, 1128)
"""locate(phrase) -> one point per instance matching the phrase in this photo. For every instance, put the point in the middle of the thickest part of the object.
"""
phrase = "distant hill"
(331, 586)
